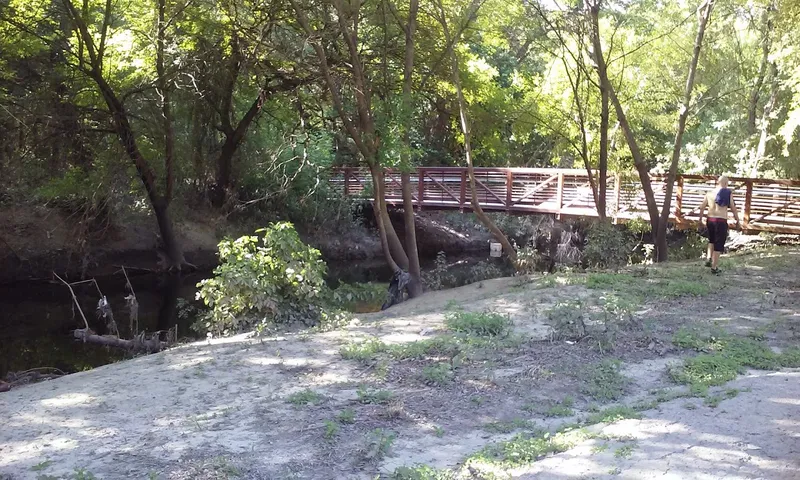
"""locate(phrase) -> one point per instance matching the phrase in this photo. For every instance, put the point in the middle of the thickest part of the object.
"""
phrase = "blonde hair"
(722, 181)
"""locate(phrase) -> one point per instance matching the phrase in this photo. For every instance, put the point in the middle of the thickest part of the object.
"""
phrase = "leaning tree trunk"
(415, 287)
(465, 130)
(662, 252)
(630, 138)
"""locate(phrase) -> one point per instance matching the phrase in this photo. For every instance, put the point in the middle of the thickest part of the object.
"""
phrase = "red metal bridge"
(766, 205)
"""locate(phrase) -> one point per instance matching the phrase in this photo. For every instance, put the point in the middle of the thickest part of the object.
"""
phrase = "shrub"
(607, 246)
(262, 280)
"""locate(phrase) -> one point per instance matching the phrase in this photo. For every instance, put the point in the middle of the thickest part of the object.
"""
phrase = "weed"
(615, 471)
(438, 374)
(524, 449)
(713, 401)
(624, 451)
(331, 429)
(421, 472)
(304, 397)
(379, 442)
(729, 357)
(604, 381)
(509, 426)
(613, 414)
(370, 396)
(82, 474)
(488, 324)
(438, 431)
(477, 400)
(561, 409)
(346, 416)
(363, 351)
(600, 448)
(42, 466)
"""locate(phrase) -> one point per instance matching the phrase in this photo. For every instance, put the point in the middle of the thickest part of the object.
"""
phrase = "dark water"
(36, 320)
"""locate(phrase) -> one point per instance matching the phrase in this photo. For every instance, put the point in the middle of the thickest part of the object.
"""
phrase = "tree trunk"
(465, 130)
(766, 46)
(763, 138)
(662, 252)
(602, 164)
(630, 138)
(377, 185)
(385, 227)
(122, 126)
(415, 287)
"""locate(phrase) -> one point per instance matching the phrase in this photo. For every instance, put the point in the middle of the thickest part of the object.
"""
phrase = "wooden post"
(679, 201)
(462, 202)
(421, 189)
(560, 194)
(346, 181)
(509, 189)
(617, 188)
(748, 199)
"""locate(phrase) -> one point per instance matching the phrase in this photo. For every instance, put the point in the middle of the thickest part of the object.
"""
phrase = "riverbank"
(465, 380)
(36, 241)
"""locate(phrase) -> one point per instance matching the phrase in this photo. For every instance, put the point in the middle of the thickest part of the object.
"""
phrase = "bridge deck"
(768, 205)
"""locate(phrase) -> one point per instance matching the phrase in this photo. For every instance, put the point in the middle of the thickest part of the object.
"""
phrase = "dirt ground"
(291, 407)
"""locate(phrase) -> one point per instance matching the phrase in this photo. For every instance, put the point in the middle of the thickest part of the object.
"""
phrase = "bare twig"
(74, 299)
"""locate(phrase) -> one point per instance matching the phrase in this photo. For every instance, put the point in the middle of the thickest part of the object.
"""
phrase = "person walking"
(719, 201)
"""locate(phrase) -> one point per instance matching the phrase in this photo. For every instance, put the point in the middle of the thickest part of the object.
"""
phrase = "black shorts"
(717, 233)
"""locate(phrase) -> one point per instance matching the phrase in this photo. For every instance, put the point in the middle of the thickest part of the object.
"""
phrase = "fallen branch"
(15, 379)
(138, 344)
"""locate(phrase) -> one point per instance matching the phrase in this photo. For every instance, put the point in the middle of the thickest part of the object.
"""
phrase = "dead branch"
(140, 343)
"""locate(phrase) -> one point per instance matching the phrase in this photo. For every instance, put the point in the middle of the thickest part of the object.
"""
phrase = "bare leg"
(710, 251)
(715, 260)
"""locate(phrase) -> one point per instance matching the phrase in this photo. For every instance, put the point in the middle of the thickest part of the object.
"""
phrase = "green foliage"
(562, 408)
(439, 374)
(421, 472)
(363, 351)
(607, 246)
(473, 323)
(379, 442)
(604, 381)
(331, 429)
(523, 449)
(613, 414)
(304, 397)
(359, 297)
(346, 416)
(726, 357)
(368, 395)
(509, 426)
(263, 280)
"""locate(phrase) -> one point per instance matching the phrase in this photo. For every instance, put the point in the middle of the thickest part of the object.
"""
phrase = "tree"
(90, 57)
(360, 126)
(451, 42)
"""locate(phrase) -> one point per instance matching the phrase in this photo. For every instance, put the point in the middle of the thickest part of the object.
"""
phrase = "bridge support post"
(420, 189)
(509, 189)
(748, 199)
(679, 201)
(462, 201)
(560, 194)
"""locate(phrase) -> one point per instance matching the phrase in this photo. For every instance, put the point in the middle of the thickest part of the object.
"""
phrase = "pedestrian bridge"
(766, 205)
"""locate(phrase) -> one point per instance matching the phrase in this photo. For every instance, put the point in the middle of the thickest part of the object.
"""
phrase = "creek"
(37, 319)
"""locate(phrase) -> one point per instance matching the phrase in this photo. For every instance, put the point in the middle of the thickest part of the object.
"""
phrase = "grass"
(377, 397)
(363, 351)
(421, 472)
(379, 442)
(561, 409)
(725, 357)
(509, 426)
(604, 382)
(651, 283)
(347, 416)
(438, 374)
(613, 414)
(484, 324)
(625, 451)
(331, 429)
(524, 449)
(304, 397)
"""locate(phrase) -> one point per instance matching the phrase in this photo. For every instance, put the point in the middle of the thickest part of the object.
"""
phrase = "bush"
(262, 280)
(607, 246)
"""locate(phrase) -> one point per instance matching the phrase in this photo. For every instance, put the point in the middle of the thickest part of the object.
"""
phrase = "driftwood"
(15, 379)
(139, 343)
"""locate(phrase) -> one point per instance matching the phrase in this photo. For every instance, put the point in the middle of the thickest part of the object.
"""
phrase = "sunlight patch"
(68, 399)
